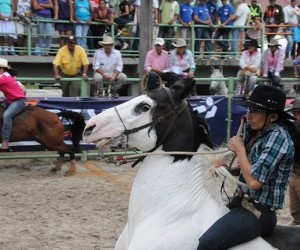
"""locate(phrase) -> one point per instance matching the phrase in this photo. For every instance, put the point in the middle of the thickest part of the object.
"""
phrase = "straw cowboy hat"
(4, 63)
(179, 43)
(269, 98)
(274, 42)
(106, 40)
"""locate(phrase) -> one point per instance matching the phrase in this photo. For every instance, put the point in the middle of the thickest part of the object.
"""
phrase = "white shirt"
(108, 63)
(291, 14)
(187, 62)
(155, 4)
(252, 60)
(242, 12)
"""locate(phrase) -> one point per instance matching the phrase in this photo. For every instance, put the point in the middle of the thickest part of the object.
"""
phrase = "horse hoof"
(70, 173)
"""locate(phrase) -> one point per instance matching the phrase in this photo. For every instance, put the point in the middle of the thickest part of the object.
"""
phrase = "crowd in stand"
(221, 23)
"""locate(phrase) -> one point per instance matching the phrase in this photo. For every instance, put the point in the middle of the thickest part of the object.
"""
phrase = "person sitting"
(182, 62)
(273, 62)
(69, 62)
(156, 64)
(249, 68)
(266, 159)
(14, 101)
(108, 66)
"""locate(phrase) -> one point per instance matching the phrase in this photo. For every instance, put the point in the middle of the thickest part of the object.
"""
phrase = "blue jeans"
(290, 42)
(13, 109)
(235, 39)
(203, 33)
(236, 227)
(45, 32)
(81, 31)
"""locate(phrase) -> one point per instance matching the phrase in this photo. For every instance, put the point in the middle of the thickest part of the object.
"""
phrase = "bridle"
(177, 109)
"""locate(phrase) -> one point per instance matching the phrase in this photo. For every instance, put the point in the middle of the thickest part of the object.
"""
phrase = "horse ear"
(182, 88)
(221, 68)
(212, 68)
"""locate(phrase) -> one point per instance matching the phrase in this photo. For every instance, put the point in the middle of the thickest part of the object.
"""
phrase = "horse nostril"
(89, 130)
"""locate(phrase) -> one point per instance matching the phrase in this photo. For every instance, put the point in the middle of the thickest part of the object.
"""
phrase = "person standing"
(157, 65)
(186, 19)
(240, 19)
(108, 67)
(224, 16)
(291, 15)
(63, 10)
(249, 63)
(83, 16)
(294, 185)
(71, 61)
(43, 14)
(273, 62)
(14, 101)
(169, 12)
(273, 15)
(255, 10)
(266, 159)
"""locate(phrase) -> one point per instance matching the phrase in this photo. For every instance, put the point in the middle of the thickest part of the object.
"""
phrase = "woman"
(122, 18)
(103, 15)
(63, 10)
(83, 15)
(273, 62)
(266, 159)
(43, 13)
(14, 103)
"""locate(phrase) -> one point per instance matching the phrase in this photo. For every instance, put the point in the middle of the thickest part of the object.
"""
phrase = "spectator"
(136, 28)
(63, 10)
(294, 185)
(273, 62)
(186, 19)
(157, 65)
(108, 67)
(254, 33)
(7, 28)
(23, 13)
(122, 18)
(71, 61)
(43, 13)
(202, 17)
(155, 18)
(169, 12)
(291, 15)
(255, 10)
(240, 18)
(224, 16)
(273, 15)
(181, 62)
(14, 101)
(212, 11)
(249, 68)
(104, 16)
(83, 16)
(297, 67)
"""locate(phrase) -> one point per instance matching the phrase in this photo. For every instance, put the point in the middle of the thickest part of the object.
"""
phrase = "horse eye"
(145, 108)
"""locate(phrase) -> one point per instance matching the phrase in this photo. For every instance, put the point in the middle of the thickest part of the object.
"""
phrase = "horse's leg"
(58, 163)
(72, 169)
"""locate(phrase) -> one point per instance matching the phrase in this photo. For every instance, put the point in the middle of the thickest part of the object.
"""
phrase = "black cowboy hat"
(269, 98)
(253, 42)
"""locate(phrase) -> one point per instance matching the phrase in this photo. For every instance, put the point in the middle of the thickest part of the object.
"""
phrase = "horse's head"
(162, 117)
(216, 86)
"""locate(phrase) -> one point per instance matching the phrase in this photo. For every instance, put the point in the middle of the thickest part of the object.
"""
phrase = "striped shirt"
(272, 158)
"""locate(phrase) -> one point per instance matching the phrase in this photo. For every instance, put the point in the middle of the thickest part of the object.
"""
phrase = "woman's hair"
(12, 71)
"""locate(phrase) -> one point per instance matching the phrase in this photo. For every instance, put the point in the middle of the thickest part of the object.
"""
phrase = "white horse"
(171, 203)
(217, 87)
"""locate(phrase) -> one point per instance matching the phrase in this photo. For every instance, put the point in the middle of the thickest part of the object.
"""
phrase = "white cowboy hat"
(179, 43)
(4, 63)
(106, 40)
(274, 42)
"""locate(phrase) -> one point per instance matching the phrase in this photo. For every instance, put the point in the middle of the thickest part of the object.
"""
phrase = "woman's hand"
(236, 144)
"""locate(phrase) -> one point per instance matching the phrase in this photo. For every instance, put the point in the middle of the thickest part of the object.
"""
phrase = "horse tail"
(77, 126)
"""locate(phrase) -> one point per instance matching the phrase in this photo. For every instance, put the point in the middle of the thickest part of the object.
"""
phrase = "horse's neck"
(172, 189)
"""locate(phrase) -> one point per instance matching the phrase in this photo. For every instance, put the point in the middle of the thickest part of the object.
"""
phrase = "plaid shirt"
(272, 158)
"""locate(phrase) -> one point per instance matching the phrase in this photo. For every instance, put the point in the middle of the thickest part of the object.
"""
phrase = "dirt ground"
(39, 210)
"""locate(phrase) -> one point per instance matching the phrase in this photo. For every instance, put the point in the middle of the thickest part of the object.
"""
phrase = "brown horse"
(45, 127)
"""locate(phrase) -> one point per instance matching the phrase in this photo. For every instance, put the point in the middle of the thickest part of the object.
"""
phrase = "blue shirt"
(186, 12)
(224, 12)
(272, 158)
(212, 10)
(201, 12)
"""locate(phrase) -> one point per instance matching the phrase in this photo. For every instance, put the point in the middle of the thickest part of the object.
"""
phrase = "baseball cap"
(71, 39)
(159, 41)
